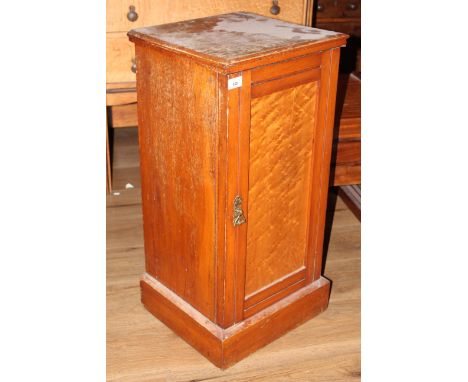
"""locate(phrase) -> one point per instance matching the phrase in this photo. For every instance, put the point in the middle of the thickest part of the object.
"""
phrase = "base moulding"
(225, 347)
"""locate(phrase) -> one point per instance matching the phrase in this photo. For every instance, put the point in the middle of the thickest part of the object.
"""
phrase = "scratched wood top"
(232, 37)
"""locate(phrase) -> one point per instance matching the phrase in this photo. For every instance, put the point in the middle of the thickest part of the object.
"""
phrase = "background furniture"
(234, 217)
(122, 15)
(342, 16)
(346, 158)
(345, 16)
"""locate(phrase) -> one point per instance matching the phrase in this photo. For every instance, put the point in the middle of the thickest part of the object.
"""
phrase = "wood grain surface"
(153, 12)
(225, 347)
(283, 68)
(237, 41)
(142, 349)
(192, 128)
(119, 55)
(123, 115)
(346, 158)
(177, 135)
(281, 136)
(231, 36)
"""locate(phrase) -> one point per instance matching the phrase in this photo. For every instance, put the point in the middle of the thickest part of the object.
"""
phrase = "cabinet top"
(235, 37)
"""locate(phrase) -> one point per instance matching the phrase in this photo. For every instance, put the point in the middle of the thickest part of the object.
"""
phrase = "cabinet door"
(284, 138)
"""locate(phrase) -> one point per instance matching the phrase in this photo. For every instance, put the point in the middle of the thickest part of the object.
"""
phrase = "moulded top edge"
(232, 38)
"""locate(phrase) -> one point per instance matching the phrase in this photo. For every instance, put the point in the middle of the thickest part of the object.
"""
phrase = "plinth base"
(225, 347)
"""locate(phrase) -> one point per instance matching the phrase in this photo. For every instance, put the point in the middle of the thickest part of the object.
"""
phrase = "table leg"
(108, 160)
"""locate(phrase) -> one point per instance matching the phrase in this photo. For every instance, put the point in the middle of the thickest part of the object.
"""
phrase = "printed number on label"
(235, 82)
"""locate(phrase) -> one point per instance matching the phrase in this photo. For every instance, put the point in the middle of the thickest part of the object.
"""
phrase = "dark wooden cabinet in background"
(235, 117)
(342, 16)
(345, 16)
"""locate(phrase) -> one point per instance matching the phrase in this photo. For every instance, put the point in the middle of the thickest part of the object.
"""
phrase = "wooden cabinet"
(120, 59)
(338, 11)
(235, 130)
(329, 10)
(343, 16)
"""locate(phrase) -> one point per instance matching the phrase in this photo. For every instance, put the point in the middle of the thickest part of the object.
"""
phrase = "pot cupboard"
(235, 118)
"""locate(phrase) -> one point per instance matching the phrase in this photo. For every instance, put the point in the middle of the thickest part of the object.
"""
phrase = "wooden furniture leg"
(108, 160)
(351, 195)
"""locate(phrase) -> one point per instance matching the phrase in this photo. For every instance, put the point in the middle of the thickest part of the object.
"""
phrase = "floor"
(140, 348)
(125, 159)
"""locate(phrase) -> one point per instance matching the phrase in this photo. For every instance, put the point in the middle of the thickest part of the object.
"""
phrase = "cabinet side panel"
(177, 118)
(281, 139)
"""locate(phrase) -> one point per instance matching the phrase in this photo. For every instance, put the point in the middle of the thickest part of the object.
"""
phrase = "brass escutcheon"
(239, 217)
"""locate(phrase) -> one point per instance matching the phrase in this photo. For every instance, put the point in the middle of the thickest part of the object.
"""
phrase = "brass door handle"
(238, 217)
(133, 67)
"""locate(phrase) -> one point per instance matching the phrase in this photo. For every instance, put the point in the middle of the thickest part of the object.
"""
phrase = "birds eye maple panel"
(235, 117)
(281, 136)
